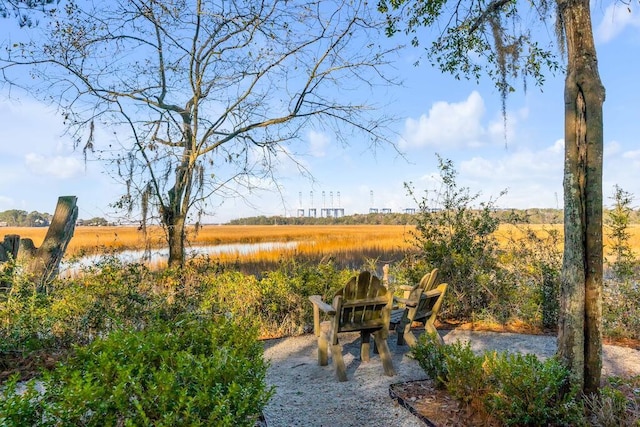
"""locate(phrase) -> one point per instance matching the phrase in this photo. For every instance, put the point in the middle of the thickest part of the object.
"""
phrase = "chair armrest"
(317, 301)
(406, 301)
(432, 293)
(406, 287)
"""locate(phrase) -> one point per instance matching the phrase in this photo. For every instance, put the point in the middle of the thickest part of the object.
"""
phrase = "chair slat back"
(362, 303)
(428, 301)
(427, 282)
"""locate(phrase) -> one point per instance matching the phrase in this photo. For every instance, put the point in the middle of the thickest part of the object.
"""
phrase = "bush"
(458, 239)
(278, 300)
(525, 391)
(512, 388)
(431, 357)
(285, 306)
(516, 279)
(621, 309)
(532, 260)
(189, 372)
(617, 404)
(454, 366)
(624, 261)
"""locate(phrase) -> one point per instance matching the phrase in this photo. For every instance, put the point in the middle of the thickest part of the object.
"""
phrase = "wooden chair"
(363, 305)
(421, 304)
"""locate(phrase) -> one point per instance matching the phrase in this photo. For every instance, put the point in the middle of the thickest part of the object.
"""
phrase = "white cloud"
(61, 167)
(532, 177)
(617, 17)
(632, 155)
(502, 132)
(318, 143)
(447, 125)
(631, 161)
(620, 169)
(6, 202)
(612, 148)
(557, 147)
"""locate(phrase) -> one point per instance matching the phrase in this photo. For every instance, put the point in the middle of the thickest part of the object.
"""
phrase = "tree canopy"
(203, 100)
(476, 38)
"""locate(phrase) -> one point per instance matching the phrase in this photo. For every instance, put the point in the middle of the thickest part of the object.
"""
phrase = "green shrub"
(189, 372)
(457, 238)
(613, 407)
(512, 388)
(25, 323)
(532, 262)
(624, 262)
(621, 309)
(20, 406)
(285, 306)
(431, 357)
(525, 391)
(453, 366)
(231, 293)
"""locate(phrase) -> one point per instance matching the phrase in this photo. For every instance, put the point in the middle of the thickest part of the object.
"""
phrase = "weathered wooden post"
(9, 247)
(385, 275)
(8, 254)
(43, 263)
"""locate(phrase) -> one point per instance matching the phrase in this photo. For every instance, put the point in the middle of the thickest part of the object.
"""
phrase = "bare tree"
(498, 33)
(204, 97)
(23, 10)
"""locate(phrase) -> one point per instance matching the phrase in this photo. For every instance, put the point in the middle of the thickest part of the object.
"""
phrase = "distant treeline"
(533, 216)
(19, 218)
(515, 216)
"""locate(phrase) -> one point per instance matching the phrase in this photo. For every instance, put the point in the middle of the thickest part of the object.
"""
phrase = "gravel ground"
(310, 395)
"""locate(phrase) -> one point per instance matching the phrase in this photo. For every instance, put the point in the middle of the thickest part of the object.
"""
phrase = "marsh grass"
(351, 246)
(317, 239)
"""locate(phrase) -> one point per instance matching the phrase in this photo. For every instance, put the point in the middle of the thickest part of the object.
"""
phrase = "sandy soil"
(310, 395)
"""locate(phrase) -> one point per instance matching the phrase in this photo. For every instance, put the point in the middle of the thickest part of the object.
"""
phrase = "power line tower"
(371, 208)
(300, 208)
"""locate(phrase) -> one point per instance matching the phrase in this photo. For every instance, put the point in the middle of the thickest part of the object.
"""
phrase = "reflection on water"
(159, 255)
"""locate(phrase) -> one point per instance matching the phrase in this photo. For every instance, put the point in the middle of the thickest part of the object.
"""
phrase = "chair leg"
(338, 362)
(365, 340)
(385, 354)
(430, 328)
(323, 356)
(402, 328)
(410, 338)
(400, 333)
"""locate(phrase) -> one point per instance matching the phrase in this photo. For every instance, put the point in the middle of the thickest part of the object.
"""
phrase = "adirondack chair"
(421, 304)
(363, 305)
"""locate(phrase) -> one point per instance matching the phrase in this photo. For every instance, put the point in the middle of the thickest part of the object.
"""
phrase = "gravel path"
(310, 395)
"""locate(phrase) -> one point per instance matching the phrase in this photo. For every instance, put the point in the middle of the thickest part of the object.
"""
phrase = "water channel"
(155, 256)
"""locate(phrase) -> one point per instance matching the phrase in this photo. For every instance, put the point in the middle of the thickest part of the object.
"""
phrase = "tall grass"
(314, 238)
(349, 246)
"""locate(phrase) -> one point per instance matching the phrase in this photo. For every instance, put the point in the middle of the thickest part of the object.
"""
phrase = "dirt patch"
(29, 365)
(436, 407)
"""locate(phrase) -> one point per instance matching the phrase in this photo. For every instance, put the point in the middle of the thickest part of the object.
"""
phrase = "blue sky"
(459, 120)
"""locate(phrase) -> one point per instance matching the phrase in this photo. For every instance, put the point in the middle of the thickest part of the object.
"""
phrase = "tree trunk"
(579, 332)
(175, 235)
(43, 262)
